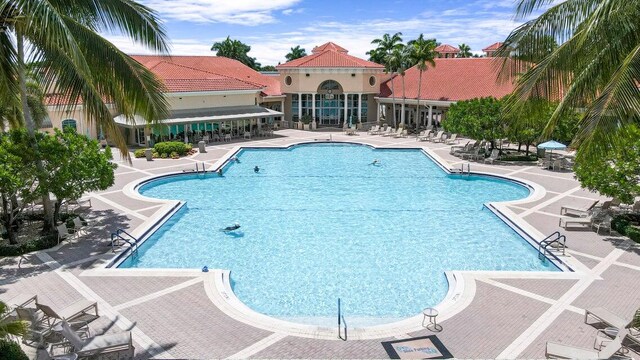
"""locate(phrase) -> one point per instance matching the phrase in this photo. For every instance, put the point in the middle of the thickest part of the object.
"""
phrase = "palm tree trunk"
(31, 130)
(393, 96)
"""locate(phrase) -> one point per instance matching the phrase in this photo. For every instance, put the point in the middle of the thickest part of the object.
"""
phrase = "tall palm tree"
(596, 68)
(235, 49)
(386, 46)
(377, 56)
(79, 64)
(296, 53)
(399, 62)
(421, 54)
(465, 51)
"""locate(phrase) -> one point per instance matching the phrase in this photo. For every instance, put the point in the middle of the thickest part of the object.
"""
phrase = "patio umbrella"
(552, 145)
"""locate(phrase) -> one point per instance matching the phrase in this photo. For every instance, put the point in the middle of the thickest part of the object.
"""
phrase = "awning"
(218, 114)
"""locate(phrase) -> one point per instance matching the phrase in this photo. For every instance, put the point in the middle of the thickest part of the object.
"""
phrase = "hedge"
(627, 225)
(42, 243)
(169, 147)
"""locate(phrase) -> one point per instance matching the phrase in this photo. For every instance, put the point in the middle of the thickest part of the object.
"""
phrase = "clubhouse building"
(215, 97)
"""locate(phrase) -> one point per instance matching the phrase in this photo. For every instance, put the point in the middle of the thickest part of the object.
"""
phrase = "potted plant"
(306, 120)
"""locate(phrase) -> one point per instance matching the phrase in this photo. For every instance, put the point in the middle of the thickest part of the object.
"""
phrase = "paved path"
(172, 316)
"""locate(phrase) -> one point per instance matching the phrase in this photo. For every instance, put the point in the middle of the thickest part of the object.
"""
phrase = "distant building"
(216, 96)
(490, 51)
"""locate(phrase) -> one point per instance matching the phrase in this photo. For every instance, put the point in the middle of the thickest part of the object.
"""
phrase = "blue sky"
(272, 27)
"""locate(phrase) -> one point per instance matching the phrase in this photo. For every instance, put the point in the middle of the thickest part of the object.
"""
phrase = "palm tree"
(296, 53)
(596, 68)
(79, 64)
(235, 49)
(383, 52)
(465, 51)
(398, 62)
(10, 327)
(421, 53)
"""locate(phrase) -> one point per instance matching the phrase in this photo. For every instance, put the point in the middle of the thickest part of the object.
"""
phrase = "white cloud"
(292, 11)
(242, 12)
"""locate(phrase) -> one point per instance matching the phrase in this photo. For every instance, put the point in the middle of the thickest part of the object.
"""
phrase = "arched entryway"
(330, 103)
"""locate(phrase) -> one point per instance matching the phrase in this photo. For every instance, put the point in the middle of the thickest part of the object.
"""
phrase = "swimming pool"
(318, 222)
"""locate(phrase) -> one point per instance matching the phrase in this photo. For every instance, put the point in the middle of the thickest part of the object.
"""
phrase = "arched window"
(69, 123)
(330, 86)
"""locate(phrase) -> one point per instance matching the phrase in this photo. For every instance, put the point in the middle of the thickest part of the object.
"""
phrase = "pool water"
(318, 223)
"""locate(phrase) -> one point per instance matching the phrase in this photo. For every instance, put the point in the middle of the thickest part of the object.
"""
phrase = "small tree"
(75, 166)
(479, 119)
(18, 179)
(616, 172)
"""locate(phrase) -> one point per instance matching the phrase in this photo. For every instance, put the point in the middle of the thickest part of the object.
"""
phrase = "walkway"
(172, 316)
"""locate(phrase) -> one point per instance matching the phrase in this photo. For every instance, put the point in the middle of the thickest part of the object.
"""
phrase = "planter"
(148, 153)
(306, 126)
(313, 125)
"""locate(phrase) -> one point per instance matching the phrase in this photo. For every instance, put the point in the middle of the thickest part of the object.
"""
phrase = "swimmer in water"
(375, 162)
(233, 227)
(256, 169)
(235, 159)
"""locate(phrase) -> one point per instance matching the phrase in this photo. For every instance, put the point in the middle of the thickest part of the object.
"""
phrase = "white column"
(299, 106)
(429, 115)
(313, 105)
(402, 114)
(282, 118)
(346, 106)
(359, 107)
(379, 108)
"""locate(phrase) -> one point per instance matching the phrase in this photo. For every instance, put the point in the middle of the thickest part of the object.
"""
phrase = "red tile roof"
(451, 80)
(329, 55)
(219, 72)
(493, 47)
(329, 46)
(446, 49)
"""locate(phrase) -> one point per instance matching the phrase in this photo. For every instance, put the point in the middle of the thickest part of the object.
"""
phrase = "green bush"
(627, 225)
(139, 153)
(169, 147)
(45, 242)
(174, 155)
(108, 153)
(10, 350)
(163, 155)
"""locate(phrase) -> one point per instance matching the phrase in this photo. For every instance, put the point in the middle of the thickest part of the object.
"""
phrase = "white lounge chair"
(77, 226)
(495, 153)
(426, 136)
(452, 139)
(247, 135)
(120, 343)
(400, 133)
(602, 223)
(373, 129)
(78, 204)
(84, 308)
(578, 210)
(561, 351)
(40, 326)
(565, 222)
(63, 232)
(437, 137)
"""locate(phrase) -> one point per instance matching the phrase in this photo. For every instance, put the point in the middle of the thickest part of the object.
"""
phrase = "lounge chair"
(22, 300)
(85, 309)
(77, 204)
(561, 351)
(390, 132)
(426, 136)
(495, 154)
(602, 223)
(63, 232)
(373, 129)
(566, 221)
(437, 137)
(120, 343)
(399, 134)
(606, 317)
(77, 226)
(457, 149)
(247, 135)
(578, 210)
(40, 326)
(452, 139)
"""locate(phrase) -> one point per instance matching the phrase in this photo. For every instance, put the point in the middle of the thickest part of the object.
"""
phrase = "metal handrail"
(341, 321)
(546, 242)
(132, 245)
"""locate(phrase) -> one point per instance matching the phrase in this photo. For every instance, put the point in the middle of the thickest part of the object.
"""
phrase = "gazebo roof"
(446, 49)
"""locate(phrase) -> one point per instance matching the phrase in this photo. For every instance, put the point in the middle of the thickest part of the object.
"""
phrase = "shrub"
(169, 147)
(163, 155)
(10, 350)
(174, 155)
(155, 155)
(139, 153)
(108, 153)
(627, 225)
(44, 242)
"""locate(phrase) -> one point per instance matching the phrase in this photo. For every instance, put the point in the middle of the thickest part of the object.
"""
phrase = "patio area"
(173, 313)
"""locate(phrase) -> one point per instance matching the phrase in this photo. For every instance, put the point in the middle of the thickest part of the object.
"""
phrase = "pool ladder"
(132, 241)
(468, 168)
(342, 323)
(204, 170)
(555, 238)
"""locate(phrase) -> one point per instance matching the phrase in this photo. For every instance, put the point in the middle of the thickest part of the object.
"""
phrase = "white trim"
(217, 92)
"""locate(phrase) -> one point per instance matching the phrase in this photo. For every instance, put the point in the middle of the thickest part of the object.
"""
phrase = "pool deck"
(174, 314)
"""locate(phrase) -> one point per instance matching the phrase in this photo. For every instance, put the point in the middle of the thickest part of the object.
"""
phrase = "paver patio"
(172, 316)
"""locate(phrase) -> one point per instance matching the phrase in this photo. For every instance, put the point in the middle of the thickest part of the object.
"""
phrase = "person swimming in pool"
(256, 169)
(235, 159)
(233, 227)
(375, 162)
